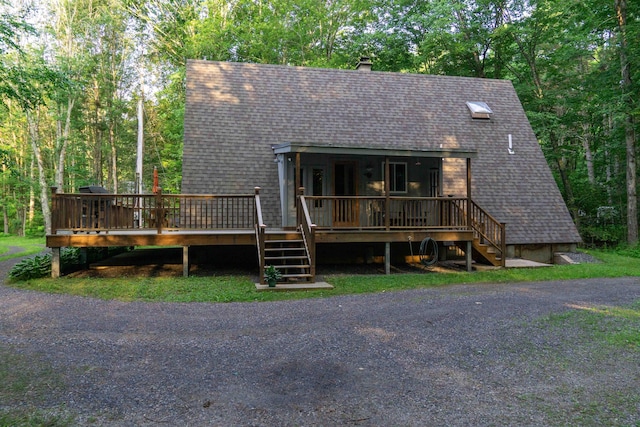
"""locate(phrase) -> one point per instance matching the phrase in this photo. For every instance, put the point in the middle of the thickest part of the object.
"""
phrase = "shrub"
(630, 251)
(40, 265)
(32, 268)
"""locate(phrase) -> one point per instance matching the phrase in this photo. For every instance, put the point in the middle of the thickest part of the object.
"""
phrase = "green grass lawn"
(242, 289)
(28, 245)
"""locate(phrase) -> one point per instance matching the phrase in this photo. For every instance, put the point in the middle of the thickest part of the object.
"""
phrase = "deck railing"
(308, 230)
(81, 212)
(488, 230)
(261, 229)
(379, 212)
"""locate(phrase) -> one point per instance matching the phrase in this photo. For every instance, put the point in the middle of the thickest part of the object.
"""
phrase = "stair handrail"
(260, 228)
(308, 230)
(496, 239)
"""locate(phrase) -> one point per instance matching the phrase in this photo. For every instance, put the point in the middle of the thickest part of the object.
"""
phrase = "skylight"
(479, 110)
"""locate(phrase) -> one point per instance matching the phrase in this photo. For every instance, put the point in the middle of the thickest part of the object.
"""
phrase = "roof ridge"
(353, 71)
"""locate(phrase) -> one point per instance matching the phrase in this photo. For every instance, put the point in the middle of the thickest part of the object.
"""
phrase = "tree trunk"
(42, 180)
(588, 154)
(629, 131)
(114, 158)
(561, 161)
(31, 212)
(64, 136)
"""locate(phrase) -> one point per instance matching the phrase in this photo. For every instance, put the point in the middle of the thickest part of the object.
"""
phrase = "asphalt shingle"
(235, 112)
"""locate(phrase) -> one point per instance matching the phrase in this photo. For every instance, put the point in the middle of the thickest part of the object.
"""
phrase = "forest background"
(73, 72)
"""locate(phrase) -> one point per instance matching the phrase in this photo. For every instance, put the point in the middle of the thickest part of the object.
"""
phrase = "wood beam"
(239, 237)
(381, 236)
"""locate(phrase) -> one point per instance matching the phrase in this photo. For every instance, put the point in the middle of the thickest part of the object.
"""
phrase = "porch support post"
(468, 253)
(55, 263)
(387, 201)
(185, 261)
(468, 192)
(387, 258)
(298, 177)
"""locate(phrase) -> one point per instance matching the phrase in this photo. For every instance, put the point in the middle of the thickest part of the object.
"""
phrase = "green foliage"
(272, 275)
(35, 228)
(40, 265)
(563, 58)
(628, 251)
(32, 268)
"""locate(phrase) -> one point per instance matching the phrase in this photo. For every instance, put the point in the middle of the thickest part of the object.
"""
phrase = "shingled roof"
(235, 113)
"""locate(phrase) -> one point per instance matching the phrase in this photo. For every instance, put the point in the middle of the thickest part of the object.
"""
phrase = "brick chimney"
(364, 64)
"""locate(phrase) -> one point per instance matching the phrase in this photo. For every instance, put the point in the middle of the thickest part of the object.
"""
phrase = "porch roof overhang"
(311, 148)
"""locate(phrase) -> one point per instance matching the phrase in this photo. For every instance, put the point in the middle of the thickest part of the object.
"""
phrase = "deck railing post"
(159, 211)
(503, 243)
(299, 213)
(55, 214)
(308, 231)
(260, 234)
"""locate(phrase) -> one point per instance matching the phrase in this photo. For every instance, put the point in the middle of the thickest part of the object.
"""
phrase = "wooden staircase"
(487, 252)
(489, 242)
(288, 252)
(488, 237)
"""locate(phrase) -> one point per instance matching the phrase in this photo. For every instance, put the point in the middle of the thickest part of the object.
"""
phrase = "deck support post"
(185, 261)
(55, 263)
(467, 255)
(387, 258)
(84, 257)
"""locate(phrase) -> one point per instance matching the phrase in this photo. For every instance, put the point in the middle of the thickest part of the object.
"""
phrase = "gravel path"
(460, 355)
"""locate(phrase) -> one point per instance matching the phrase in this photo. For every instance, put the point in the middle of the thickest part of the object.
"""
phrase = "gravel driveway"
(461, 355)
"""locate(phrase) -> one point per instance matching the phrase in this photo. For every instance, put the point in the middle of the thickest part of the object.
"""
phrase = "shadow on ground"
(167, 262)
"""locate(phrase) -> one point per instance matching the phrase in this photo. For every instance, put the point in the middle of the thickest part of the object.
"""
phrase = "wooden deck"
(102, 220)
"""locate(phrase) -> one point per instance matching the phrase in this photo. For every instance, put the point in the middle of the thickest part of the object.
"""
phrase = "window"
(479, 110)
(317, 185)
(398, 173)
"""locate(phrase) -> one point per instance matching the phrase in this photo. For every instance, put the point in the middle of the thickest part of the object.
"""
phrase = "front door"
(345, 209)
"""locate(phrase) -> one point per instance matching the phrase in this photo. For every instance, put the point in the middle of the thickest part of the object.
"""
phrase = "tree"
(626, 85)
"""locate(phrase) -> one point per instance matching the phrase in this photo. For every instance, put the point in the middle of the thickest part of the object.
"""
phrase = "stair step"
(283, 249)
(292, 276)
(285, 257)
(291, 266)
(279, 242)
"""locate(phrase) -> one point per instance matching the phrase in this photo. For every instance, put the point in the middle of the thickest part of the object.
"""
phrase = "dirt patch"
(167, 262)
